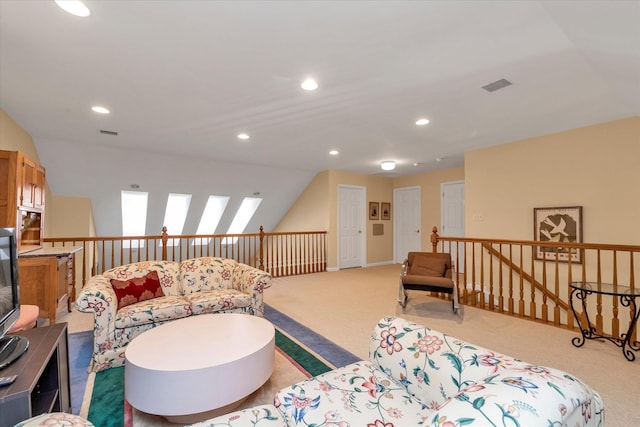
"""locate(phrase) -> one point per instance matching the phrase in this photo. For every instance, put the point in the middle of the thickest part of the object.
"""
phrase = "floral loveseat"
(132, 298)
(420, 377)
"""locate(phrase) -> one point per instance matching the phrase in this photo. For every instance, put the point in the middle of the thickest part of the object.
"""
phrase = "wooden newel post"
(434, 239)
(261, 260)
(165, 240)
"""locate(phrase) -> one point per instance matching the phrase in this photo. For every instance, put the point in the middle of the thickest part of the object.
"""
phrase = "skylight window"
(243, 216)
(175, 215)
(211, 217)
(134, 216)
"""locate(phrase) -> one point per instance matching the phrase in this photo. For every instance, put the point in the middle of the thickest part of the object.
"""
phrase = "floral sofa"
(133, 298)
(420, 377)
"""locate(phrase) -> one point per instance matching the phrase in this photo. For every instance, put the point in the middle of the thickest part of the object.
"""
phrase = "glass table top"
(606, 288)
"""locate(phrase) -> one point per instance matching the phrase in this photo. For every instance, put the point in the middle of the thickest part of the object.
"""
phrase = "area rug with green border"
(105, 406)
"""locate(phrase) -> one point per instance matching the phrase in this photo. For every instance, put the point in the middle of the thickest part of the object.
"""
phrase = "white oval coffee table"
(198, 367)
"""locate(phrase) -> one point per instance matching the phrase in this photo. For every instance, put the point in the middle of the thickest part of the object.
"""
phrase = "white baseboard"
(375, 264)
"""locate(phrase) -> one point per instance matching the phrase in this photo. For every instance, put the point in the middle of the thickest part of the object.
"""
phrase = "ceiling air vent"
(498, 84)
(108, 132)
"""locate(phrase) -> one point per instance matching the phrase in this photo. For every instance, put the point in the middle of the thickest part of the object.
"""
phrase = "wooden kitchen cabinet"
(39, 284)
(47, 279)
(22, 198)
(31, 183)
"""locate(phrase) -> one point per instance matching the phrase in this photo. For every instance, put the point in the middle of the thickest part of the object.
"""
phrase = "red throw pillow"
(137, 289)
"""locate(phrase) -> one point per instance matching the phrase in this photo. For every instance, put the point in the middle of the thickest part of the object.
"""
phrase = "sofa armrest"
(249, 279)
(97, 297)
(252, 281)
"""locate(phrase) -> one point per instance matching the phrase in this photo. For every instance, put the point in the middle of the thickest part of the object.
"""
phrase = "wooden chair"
(427, 271)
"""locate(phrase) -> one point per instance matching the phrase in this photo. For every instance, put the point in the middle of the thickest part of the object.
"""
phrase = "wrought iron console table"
(581, 290)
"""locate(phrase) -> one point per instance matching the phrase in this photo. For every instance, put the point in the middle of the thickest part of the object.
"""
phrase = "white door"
(453, 218)
(406, 221)
(351, 222)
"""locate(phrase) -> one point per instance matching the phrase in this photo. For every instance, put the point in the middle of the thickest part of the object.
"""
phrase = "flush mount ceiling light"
(388, 165)
(243, 136)
(334, 152)
(74, 7)
(422, 122)
(100, 110)
(309, 84)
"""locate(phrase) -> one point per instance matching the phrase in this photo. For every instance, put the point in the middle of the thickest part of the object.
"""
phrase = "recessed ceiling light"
(334, 152)
(388, 165)
(422, 122)
(243, 136)
(74, 7)
(309, 84)
(100, 110)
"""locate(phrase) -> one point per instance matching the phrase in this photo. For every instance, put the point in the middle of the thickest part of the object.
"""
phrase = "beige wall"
(310, 212)
(14, 138)
(595, 167)
(69, 214)
(317, 208)
(378, 189)
(71, 221)
(430, 191)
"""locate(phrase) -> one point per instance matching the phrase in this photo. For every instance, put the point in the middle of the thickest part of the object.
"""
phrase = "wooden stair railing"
(527, 277)
(538, 289)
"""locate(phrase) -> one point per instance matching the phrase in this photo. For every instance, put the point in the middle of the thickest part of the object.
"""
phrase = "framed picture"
(374, 210)
(562, 224)
(385, 210)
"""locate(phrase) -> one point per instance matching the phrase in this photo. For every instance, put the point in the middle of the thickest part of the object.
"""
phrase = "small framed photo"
(562, 224)
(374, 210)
(385, 210)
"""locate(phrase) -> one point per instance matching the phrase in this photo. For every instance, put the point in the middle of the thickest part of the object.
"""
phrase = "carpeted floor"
(301, 353)
(343, 306)
(80, 347)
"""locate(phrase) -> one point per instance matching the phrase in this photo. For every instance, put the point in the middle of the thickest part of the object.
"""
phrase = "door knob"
(417, 231)
(359, 231)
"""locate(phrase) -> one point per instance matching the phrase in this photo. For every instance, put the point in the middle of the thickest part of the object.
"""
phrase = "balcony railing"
(504, 276)
(530, 279)
(281, 254)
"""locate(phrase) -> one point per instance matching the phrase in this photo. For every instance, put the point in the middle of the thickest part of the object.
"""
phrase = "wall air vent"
(498, 84)
(108, 132)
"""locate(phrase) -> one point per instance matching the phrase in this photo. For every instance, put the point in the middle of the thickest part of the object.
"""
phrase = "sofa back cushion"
(206, 274)
(432, 366)
(168, 274)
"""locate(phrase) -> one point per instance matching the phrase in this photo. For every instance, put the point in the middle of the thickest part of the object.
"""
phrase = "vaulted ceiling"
(183, 78)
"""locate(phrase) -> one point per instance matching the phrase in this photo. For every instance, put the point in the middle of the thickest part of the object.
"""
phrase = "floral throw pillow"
(137, 289)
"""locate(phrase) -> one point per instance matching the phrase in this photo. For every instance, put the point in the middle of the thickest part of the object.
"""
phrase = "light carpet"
(345, 305)
(105, 406)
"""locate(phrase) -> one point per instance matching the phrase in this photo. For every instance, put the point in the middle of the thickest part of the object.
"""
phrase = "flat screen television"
(11, 346)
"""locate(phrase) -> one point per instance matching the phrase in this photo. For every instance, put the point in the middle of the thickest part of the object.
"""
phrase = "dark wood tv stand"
(42, 384)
